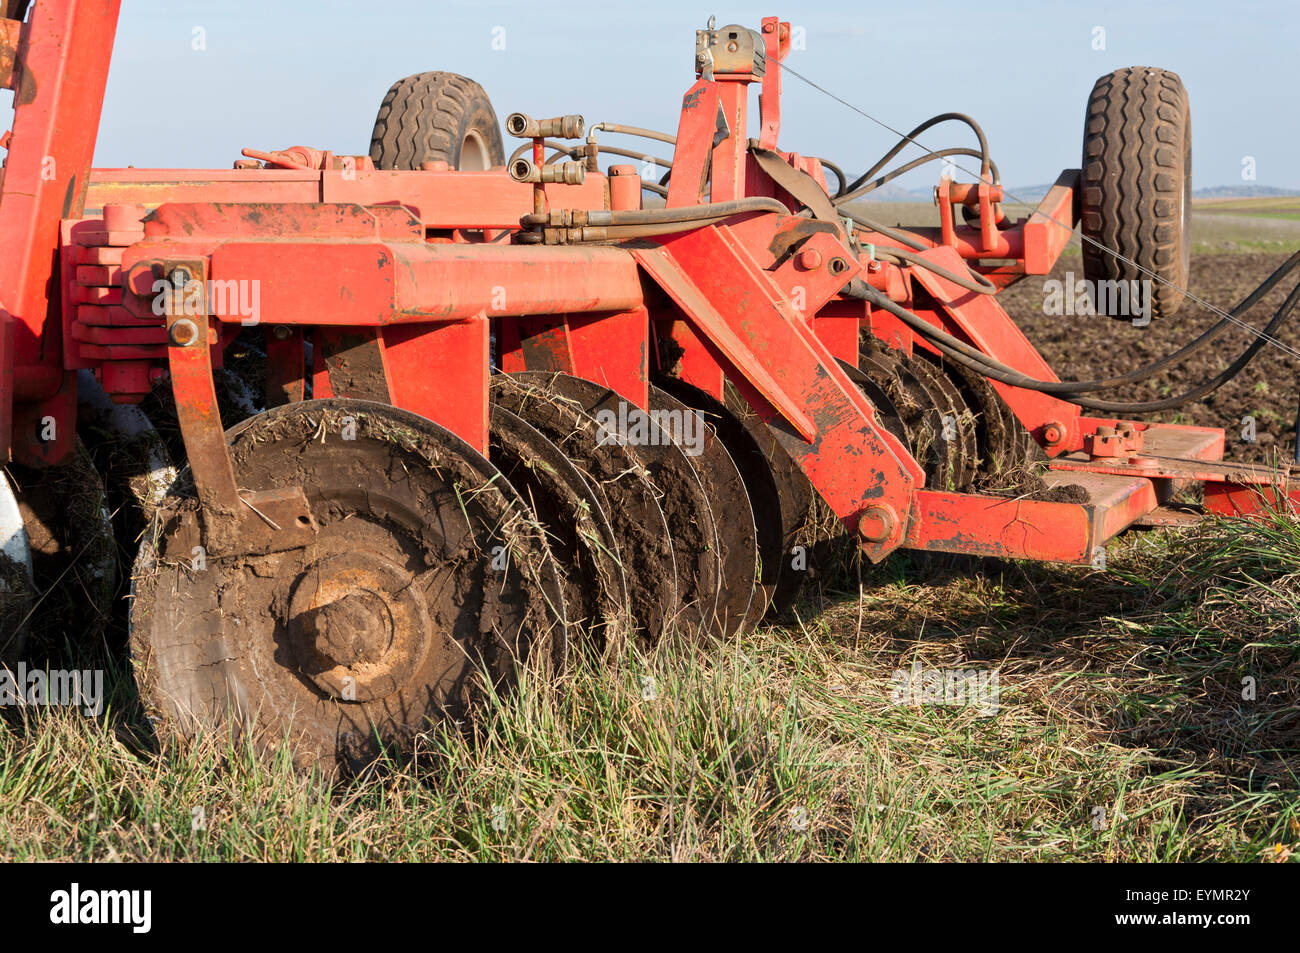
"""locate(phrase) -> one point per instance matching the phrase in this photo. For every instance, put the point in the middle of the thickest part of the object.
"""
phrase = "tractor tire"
(1137, 186)
(436, 117)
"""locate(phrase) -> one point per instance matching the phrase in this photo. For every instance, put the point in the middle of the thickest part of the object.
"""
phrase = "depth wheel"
(438, 117)
(427, 586)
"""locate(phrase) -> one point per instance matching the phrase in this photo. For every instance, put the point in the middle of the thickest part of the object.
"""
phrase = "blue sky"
(275, 74)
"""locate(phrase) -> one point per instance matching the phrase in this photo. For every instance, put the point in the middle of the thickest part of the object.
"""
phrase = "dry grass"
(1120, 734)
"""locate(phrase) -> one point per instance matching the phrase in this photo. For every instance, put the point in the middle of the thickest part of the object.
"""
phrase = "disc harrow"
(402, 429)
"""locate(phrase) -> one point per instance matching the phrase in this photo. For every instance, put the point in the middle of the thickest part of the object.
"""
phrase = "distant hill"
(1241, 192)
(1033, 194)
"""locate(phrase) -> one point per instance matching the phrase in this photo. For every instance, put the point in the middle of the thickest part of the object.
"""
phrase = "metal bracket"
(233, 522)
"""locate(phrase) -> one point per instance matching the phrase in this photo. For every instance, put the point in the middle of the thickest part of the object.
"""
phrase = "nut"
(877, 523)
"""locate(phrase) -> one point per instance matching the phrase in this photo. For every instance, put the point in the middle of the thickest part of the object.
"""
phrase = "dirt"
(645, 546)
(15, 603)
(1266, 391)
(402, 514)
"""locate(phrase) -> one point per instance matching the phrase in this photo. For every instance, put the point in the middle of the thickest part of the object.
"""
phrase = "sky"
(194, 81)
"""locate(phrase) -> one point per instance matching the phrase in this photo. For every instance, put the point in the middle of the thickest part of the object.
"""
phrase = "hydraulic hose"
(909, 139)
(962, 353)
(662, 216)
(908, 167)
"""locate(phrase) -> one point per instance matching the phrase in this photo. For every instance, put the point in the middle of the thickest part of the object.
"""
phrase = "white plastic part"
(13, 535)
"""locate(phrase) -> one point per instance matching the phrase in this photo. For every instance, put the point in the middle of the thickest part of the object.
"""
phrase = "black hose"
(903, 237)
(908, 167)
(909, 139)
(1134, 376)
(976, 283)
(661, 216)
(572, 152)
(839, 174)
(973, 359)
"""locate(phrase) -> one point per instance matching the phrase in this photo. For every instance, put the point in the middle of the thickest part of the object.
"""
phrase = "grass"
(1120, 733)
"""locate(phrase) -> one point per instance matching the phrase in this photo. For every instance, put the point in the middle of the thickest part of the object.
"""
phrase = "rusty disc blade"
(619, 481)
(681, 495)
(728, 500)
(427, 585)
(577, 528)
(73, 553)
(957, 419)
(887, 414)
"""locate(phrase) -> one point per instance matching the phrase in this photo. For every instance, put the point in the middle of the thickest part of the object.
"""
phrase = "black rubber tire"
(431, 117)
(1137, 184)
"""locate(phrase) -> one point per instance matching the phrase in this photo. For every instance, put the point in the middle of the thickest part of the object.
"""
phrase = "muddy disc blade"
(621, 484)
(995, 425)
(427, 580)
(130, 453)
(886, 411)
(795, 496)
(682, 498)
(956, 418)
(758, 482)
(794, 503)
(577, 528)
(919, 402)
(69, 530)
(733, 518)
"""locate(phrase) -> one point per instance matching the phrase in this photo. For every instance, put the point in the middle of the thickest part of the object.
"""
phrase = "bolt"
(810, 259)
(183, 332)
(1053, 433)
(838, 266)
(767, 27)
(179, 277)
(877, 523)
(873, 267)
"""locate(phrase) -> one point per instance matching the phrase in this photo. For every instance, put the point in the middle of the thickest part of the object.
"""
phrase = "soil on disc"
(1267, 389)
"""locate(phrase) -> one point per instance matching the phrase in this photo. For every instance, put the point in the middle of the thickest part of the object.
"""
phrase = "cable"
(910, 138)
(908, 167)
(1069, 228)
(634, 131)
(839, 174)
(962, 353)
(976, 283)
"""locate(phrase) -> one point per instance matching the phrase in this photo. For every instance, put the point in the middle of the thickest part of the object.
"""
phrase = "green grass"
(1120, 734)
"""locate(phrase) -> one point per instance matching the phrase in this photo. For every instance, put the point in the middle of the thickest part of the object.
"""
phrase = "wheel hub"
(359, 629)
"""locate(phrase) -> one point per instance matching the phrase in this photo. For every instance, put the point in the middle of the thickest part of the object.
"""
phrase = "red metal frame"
(398, 278)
